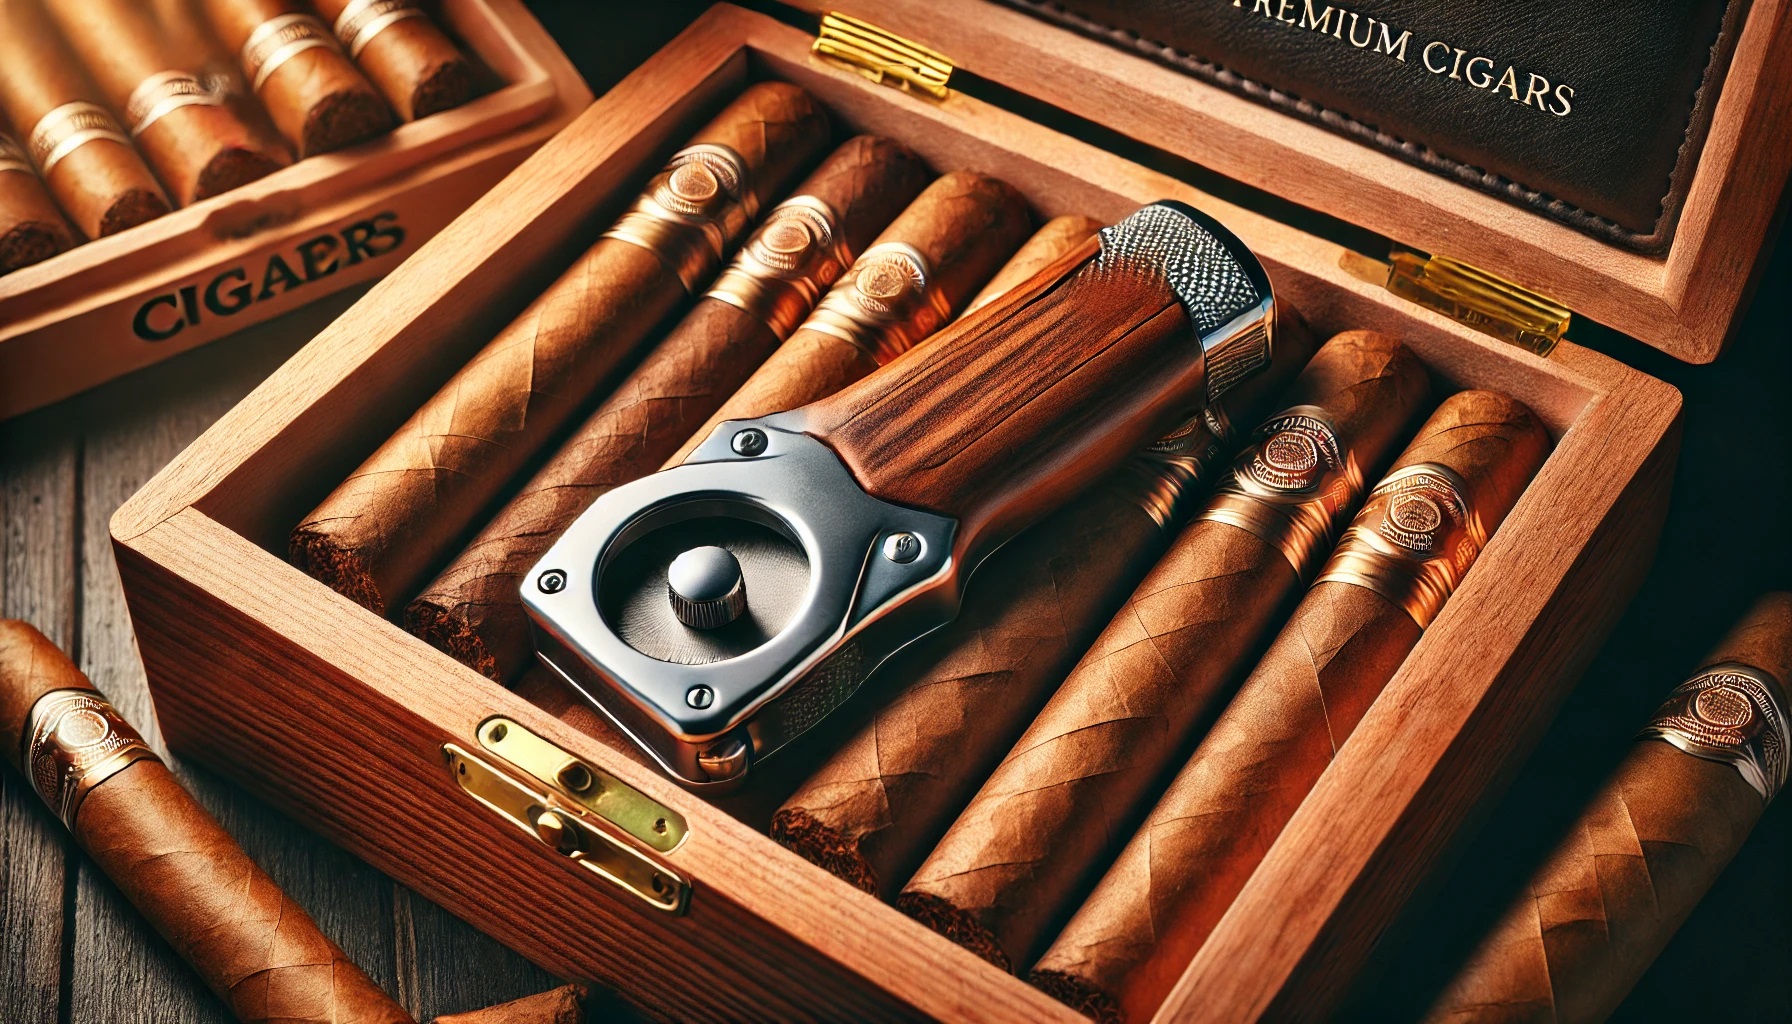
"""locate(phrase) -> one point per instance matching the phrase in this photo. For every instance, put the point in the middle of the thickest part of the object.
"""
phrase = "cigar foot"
(28, 243)
(129, 209)
(343, 119)
(452, 635)
(1079, 995)
(825, 847)
(958, 925)
(231, 167)
(444, 87)
(342, 571)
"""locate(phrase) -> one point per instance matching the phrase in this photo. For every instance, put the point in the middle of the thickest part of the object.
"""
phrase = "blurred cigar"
(1057, 237)
(257, 949)
(471, 611)
(396, 44)
(294, 65)
(377, 535)
(563, 1005)
(198, 144)
(32, 229)
(1648, 846)
(1024, 849)
(1416, 536)
(77, 145)
(880, 804)
(906, 286)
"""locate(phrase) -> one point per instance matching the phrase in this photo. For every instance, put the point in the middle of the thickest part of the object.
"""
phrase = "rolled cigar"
(906, 286)
(1055, 238)
(1050, 815)
(198, 145)
(316, 97)
(75, 142)
(881, 802)
(32, 229)
(412, 62)
(1416, 536)
(377, 535)
(471, 610)
(1648, 846)
(563, 1005)
(256, 948)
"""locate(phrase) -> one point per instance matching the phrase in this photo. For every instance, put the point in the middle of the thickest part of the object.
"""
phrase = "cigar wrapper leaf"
(1417, 534)
(1051, 814)
(382, 530)
(1649, 844)
(404, 53)
(259, 951)
(471, 610)
(32, 229)
(563, 1005)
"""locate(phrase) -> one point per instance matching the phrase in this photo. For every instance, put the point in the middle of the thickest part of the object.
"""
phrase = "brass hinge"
(578, 810)
(1471, 296)
(883, 56)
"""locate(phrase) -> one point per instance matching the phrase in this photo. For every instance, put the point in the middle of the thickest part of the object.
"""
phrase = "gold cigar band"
(1734, 714)
(1166, 476)
(692, 212)
(1292, 487)
(68, 128)
(163, 93)
(12, 158)
(361, 20)
(797, 253)
(75, 740)
(1413, 541)
(278, 40)
(886, 303)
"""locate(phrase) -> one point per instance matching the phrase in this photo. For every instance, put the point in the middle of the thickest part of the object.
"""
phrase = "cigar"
(32, 229)
(197, 143)
(1649, 844)
(471, 610)
(76, 144)
(907, 285)
(882, 801)
(1024, 849)
(412, 62)
(563, 1005)
(375, 538)
(256, 948)
(1057, 237)
(1418, 533)
(317, 99)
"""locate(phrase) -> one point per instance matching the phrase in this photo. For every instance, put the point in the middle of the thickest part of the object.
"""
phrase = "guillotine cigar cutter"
(718, 609)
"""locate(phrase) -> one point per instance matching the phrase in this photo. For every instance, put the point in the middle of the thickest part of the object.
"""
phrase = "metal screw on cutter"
(700, 697)
(552, 582)
(749, 442)
(902, 548)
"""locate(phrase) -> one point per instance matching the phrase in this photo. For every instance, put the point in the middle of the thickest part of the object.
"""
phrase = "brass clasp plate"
(883, 56)
(575, 809)
(1468, 295)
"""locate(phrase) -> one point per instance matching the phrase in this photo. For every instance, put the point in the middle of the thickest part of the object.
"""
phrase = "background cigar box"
(118, 303)
(362, 731)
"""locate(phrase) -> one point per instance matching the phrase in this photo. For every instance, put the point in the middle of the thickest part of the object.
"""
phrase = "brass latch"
(883, 56)
(1468, 295)
(578, 810)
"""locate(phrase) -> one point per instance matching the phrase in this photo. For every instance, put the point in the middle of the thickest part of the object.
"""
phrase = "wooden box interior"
(340, 716)
(65, 323)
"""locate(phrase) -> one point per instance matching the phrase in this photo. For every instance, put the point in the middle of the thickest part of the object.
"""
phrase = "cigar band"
(1413, 541)
(163, 93)
(278, 40)
(12, 158)
(68, 128)
(1734, 714)
(1292, 487)
(698, 206)
(1165, 477)
(796, 254)
(886, 303)
(361, 20)
(75, 740)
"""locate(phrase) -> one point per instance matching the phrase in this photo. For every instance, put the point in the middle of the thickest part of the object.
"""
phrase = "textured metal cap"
(706, 587)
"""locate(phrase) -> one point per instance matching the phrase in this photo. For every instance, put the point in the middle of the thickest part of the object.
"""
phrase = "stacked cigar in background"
(112, 112)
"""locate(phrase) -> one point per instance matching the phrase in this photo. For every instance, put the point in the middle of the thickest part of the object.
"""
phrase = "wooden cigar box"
(408, 759)
(118, 303)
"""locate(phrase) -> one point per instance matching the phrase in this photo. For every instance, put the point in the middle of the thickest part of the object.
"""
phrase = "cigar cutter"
(718, 609)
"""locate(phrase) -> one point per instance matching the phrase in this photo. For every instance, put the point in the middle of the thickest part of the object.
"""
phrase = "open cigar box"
(114, 304)
(367, 734)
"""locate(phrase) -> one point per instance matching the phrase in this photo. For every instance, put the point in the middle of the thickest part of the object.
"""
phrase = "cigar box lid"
(1503, 267)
